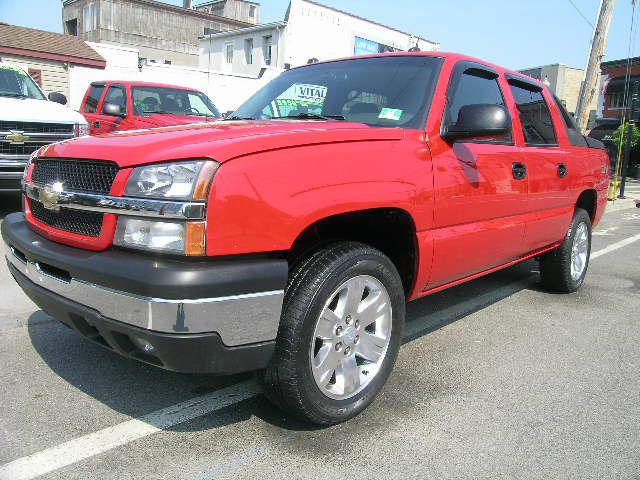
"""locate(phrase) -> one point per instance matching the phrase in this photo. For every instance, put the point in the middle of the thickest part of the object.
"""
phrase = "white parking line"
(80, 448)
(616, 246)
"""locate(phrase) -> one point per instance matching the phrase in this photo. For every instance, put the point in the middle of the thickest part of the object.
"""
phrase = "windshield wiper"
(237, 117)
(14, 95)
(315, 116)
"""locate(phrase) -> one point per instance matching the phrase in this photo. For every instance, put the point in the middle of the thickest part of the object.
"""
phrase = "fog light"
(144, 346)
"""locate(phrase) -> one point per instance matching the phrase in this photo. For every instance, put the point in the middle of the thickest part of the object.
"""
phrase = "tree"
(633, 131)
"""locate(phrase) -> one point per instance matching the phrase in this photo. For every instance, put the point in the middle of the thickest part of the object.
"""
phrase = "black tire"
(289, 381)
(555, 266)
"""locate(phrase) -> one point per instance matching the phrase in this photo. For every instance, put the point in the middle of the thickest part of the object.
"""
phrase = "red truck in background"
(124, 105)
(287, 238)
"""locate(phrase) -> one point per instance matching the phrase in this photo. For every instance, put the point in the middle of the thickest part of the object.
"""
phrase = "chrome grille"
(36, 127)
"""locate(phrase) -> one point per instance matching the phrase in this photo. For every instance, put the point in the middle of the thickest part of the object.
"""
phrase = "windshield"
(14, 82)
(381, 92)
(150, 100)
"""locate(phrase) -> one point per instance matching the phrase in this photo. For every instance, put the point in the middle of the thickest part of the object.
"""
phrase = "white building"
(309, 31)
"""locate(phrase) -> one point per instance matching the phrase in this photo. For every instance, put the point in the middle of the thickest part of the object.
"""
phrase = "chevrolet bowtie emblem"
(16, 137)
(49, 196)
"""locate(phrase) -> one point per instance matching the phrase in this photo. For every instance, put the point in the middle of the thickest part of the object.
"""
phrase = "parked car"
(119, 105)
(28, 120)
(603, 131)
(290, 244)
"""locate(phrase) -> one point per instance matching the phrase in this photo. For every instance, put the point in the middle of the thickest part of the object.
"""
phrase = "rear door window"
(534, 113)
(573, 132)
(95, 93)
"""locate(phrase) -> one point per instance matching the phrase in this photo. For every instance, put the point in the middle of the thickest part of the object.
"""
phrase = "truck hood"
(31, 110)
(166, 119)
(220, 141)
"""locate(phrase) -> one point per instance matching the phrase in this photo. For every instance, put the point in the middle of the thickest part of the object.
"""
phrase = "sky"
(513, 33)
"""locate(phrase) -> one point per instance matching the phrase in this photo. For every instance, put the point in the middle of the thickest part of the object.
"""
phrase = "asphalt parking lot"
(497, 379)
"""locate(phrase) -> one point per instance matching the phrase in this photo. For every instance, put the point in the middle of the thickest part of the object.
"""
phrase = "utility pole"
(598, 43)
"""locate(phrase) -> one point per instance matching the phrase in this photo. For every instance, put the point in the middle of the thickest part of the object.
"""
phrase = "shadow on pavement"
(136, 389)
(9, 203)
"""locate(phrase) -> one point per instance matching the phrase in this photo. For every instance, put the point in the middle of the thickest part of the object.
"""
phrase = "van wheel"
(564, 269)
(339, 335)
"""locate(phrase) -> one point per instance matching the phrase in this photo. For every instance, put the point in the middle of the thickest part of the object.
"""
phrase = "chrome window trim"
(139, 207)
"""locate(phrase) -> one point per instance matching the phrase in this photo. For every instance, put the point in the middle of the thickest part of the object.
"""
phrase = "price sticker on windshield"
(390, 114)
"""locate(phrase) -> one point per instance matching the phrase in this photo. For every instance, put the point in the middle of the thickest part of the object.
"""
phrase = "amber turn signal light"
(194, 244)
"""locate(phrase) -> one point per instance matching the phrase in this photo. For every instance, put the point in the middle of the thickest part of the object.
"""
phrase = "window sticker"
(390, 114)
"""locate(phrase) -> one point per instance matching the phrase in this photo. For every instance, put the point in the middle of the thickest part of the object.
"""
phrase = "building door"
(479, 200)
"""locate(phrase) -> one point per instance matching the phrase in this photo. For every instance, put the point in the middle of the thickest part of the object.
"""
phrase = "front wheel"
(564, 269)
(339, 336)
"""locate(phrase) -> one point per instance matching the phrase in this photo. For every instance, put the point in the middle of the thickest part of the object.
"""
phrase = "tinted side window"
(573, 132)
(116, 95)
(473, 88)
(534, 114)
(95, 92)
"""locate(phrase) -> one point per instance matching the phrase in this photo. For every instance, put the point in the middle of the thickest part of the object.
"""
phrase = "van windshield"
(390, 91)
(148, 100)
(14, 82)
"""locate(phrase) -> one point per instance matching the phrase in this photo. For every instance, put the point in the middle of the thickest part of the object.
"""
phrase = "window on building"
(252, 11)
(90, 17)
(116, 96)
(71, 27)
(267, 48)
(248, 51)
(36, 75)
(93, 98)
(475, 87)
(228, 48)
(534, 113)
(617, 100)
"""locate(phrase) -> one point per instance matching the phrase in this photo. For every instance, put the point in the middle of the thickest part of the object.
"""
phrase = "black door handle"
(562, 170)
(519, 171)
(96, 124)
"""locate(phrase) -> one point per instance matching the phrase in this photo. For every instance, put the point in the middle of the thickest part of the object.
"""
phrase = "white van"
(28, 120)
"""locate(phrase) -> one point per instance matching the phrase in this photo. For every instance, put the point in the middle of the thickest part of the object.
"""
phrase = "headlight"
(180, 180)
(81, 129)
(185, 238)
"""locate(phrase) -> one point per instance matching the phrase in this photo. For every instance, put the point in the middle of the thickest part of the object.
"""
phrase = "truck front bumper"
(186, 315)
(11, 170)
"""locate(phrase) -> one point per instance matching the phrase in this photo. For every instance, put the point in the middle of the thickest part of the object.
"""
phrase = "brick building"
(613, 83)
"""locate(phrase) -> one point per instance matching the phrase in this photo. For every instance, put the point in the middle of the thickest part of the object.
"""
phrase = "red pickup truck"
(125, 105)
(288, 238)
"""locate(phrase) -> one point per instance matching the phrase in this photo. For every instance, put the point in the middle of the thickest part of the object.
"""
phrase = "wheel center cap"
(350, 334)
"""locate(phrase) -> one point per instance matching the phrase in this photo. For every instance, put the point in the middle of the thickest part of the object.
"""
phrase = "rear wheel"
(340, 333)
(565, 268)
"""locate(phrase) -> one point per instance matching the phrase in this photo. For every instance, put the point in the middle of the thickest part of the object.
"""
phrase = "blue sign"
(365, 47)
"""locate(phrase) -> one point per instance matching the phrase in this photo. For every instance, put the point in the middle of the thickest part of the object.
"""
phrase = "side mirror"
(479, 121)
(58, 98)
(112, 109)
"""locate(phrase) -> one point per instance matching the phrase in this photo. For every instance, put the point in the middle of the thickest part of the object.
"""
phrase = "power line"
(581, 14)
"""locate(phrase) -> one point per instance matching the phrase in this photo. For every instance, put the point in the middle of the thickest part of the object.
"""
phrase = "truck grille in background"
(75, 221)
(39, 134)
(36, 127)
(23, 149)
(84, 175)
